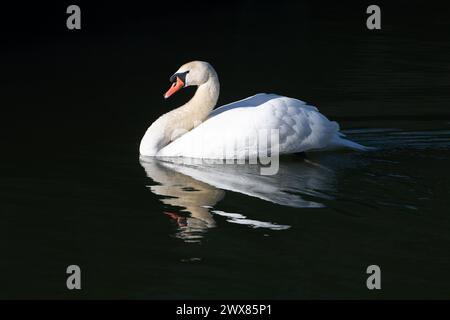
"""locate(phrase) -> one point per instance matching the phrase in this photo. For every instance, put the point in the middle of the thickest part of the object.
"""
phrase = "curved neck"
(177, 122)
(203, 101)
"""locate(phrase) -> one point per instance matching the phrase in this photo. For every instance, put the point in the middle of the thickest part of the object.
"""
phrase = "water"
(74, 190)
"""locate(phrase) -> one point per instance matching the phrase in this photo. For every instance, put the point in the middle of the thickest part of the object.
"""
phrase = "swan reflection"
(197, 186)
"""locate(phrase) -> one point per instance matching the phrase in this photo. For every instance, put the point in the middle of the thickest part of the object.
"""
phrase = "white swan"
(232, 130)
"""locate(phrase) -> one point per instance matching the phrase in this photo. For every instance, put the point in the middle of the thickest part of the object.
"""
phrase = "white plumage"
(234, 129)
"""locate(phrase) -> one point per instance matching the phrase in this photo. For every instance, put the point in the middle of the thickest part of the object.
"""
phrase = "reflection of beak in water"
(197, 186)
(193, 196)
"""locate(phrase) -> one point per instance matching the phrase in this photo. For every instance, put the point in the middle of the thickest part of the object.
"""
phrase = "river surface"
(73, 189)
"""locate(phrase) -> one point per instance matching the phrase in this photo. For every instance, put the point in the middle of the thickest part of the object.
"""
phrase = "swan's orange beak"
(174, 88)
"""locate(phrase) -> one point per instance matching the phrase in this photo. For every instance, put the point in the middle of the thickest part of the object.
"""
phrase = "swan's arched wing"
(234, 129)
(249, 102)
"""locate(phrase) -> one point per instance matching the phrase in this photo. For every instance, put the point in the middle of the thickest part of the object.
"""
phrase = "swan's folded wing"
(236, 130)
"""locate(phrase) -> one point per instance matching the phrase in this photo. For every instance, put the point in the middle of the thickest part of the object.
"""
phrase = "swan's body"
(236, 129)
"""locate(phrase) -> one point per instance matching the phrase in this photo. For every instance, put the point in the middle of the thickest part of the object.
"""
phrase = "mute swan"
(231, 131)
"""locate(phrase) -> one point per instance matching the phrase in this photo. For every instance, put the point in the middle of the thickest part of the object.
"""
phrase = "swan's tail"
(341, 143)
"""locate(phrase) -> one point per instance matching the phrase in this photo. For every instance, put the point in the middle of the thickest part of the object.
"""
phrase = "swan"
(234, 130)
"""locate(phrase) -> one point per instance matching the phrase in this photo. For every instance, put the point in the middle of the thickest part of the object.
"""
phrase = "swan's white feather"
(232, 130)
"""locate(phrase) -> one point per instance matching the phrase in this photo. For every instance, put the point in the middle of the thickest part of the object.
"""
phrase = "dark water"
(74, 191)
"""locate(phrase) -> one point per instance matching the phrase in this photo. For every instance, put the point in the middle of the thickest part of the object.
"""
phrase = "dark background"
(75, 104)
(62, 86)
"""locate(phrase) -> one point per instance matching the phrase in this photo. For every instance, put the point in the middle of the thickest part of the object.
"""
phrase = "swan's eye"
(181, 75)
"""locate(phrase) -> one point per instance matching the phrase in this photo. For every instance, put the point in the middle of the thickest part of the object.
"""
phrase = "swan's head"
(193, 73)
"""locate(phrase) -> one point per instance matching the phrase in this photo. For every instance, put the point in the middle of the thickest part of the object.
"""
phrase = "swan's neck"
(198, 108)
(177, 122)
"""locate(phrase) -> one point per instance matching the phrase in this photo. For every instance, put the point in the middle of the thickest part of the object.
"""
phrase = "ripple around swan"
(398, 138)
